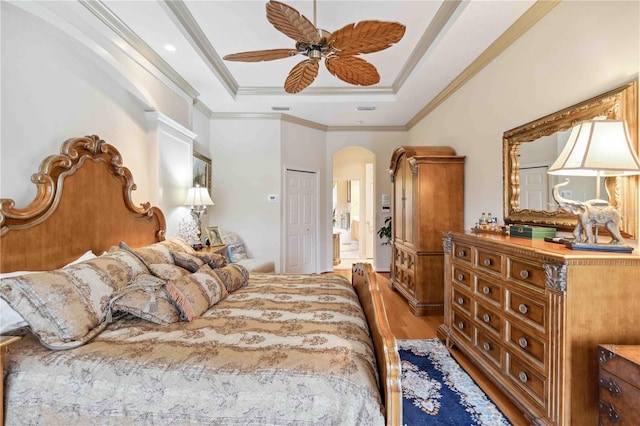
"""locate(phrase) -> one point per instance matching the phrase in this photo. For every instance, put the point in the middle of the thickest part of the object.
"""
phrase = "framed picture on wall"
(201, 171)
(215, 239)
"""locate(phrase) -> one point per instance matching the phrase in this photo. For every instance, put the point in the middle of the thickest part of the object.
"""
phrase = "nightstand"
(219, 249)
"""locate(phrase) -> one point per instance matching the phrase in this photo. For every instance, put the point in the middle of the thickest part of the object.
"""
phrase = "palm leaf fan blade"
(261, 55)
(366, 37)
(301, 76)
(353, 70)
(291, 23)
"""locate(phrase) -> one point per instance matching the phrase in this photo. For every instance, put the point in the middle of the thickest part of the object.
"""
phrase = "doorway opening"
(353, 210)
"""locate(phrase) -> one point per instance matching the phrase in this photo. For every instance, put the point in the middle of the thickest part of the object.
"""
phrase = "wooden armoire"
(428, 199)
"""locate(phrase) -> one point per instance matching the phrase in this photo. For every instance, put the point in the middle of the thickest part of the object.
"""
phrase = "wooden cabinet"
(530, 315)
(619, 384)
(428, 199)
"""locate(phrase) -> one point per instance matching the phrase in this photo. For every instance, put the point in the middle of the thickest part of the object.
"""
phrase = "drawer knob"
(461, 253)
(460, 277)
(461, 300)
(486, 347)
(460, 325)
(523, 342)
(524, 274)
(523, 377)
(523, 308)
(486, 289)
(486, 318)
(487, 262)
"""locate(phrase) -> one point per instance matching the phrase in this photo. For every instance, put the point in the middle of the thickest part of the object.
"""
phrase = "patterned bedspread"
(286, 349)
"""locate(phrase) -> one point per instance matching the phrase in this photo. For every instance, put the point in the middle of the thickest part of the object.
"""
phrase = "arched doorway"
(353, 205)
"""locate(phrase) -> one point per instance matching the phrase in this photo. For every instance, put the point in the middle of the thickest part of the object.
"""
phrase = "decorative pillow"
(167, 271)
(146, 298)
(237, 252)
(214, 260)
(233, 276)
(178, 244)
(194, 294)
(67, 307)
(187, 261)
(154, 253)
(11, 320)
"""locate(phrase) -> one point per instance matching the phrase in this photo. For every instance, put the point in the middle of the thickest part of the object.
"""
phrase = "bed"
(254, 349)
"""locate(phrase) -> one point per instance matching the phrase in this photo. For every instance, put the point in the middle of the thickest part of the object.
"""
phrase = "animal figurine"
(589, 213)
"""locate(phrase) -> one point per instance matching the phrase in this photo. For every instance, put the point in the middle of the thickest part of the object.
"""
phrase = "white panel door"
(300, 222)
(534, 192)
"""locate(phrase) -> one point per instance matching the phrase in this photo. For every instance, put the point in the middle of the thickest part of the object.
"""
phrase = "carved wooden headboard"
(83, 202)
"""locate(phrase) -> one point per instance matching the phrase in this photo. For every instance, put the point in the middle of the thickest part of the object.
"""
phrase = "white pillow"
(10, 319)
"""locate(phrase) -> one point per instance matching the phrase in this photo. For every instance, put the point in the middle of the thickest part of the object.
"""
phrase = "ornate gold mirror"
(620, 104)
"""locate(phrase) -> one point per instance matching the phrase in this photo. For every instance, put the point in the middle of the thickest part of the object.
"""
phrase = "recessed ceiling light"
(280, 108)
(365, 108)
(170, 47)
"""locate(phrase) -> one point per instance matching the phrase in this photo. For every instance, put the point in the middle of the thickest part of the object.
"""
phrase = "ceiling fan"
(339, 49)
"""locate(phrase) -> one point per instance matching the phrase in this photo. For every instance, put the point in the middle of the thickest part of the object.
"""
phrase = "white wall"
(246, 163)
(552, 66)
(54, 87)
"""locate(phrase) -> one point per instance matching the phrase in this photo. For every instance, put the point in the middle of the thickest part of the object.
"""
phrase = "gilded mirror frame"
(620, 103)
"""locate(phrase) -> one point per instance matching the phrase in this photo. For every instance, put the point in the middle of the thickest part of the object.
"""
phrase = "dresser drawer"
(489, 348)
(489, 318)
(489, 261)
(462, 325)
(462, 252)
(461, 300)
(404, 278)
(462, 276)
(529, 345)
(526, 272)
(619, 401)
(489, 291)
(527, 309)
(526, 378)
(405, 258)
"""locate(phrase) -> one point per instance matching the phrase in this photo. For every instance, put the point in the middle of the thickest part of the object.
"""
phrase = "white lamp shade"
(598, 148)
(198, 196)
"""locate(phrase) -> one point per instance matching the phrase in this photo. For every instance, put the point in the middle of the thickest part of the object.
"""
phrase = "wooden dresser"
(428, 198)
(530, 315)
(619, 384)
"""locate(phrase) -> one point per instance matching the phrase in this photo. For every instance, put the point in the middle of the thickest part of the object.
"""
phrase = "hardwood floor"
(407, 326)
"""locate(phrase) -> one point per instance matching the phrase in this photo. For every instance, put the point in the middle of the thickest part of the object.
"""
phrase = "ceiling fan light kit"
(339, 49)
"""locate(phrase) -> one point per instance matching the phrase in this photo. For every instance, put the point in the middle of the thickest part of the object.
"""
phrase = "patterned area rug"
(437, 391)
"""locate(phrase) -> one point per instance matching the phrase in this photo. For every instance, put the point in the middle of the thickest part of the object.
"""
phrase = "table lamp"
(597, 148)
(198, 198)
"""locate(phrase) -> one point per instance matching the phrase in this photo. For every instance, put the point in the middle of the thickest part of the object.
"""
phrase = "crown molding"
(200, 106)
(157, 117)
(183, 18)
(536, 12)
(367, 129)
(440, 20)
(104, 14)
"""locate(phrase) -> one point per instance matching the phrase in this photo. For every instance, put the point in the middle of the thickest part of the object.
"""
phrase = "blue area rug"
(437, 391)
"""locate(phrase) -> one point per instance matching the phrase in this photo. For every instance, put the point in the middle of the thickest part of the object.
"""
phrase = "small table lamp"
(595, 148)
(198, 198)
